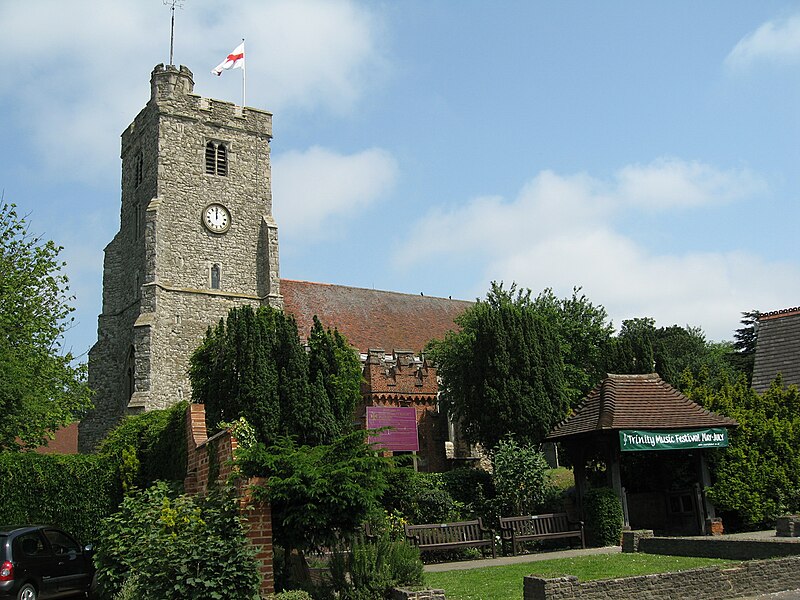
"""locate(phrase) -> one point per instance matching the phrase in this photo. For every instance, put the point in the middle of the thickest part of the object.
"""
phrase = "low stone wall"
(719, 547)
(710, 583)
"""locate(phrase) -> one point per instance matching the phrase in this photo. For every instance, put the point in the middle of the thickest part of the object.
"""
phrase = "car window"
(31, 544)
(60, 542)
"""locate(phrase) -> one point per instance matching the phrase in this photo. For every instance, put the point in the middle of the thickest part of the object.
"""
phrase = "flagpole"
(244, 77)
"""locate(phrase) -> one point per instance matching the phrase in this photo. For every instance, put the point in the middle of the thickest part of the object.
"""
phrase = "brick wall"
(214, 456)
(711, 583)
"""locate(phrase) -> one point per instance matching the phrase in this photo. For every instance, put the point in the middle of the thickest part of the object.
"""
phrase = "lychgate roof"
(777, 348)
(636, 402)
(371, 318)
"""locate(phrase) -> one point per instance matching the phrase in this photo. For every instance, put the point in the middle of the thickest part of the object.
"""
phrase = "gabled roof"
(636, 402)
(371, 318)
(777, 348)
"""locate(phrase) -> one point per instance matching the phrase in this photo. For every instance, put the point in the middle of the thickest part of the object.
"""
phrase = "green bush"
(290, 595)
(182, 546)
(603, 517)
(419, 497)
(73, 492)
(149, 447)
(474, 488)
(521, 478)
(371, 569)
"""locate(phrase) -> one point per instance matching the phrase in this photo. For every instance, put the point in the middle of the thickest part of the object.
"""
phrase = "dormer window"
(216, 159)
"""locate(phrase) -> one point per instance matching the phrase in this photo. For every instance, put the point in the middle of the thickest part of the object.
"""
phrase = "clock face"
(216, 218)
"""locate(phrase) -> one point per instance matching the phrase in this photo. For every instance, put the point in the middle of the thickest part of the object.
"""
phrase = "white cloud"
(312, 190)
(562, 231)
(777, 41)
(672, 183)
(76, 72)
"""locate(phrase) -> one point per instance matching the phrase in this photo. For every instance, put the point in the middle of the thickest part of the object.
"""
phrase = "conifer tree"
(253, 365)
(502, 372)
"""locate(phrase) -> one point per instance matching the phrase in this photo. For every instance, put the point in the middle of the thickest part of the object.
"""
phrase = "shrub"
(474, 488)
(149, 447)
(370, 569)
(290, 595)
(521, 478)
(603, 517)
(419, 497)
(182, 546)
(73, 492)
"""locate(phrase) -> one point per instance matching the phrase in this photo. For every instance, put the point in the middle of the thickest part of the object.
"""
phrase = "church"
(197, 238)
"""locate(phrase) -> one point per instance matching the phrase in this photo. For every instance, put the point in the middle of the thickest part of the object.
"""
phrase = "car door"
(72, 569)
(35, 561)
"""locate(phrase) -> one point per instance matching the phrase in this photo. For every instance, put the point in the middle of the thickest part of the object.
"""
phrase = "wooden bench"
(451, 536)
(539, 527)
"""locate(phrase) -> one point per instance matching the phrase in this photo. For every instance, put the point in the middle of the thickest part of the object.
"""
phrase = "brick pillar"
(258, 515)
(259, 532)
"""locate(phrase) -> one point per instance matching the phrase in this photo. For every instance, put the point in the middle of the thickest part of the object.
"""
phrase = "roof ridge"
(364, 289)
(784, 312)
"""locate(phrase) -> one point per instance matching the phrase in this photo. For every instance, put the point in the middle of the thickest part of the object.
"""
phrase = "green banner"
(639, 439)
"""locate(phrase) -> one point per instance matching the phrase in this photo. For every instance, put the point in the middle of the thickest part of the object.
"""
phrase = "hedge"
(73, 492)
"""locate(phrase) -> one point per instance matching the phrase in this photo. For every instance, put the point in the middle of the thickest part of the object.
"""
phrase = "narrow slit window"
(139, 168)
(215, 277)
(216, 159)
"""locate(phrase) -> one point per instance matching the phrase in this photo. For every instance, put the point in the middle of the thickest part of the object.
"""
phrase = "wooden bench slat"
(532, 527)
(448, 536)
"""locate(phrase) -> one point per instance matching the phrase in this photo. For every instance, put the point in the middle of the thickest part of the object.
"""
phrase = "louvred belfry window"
(216, 159)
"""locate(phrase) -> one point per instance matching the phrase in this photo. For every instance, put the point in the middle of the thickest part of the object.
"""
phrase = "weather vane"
(172, 4)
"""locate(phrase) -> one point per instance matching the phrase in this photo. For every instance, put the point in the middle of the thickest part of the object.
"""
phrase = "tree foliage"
(757, 478)
(584, 333)
(253, 365)
(503, 371)
(40, 387)
(520, 477)
(673, 352)
(319, 494)
(744, 346)
(177, 547)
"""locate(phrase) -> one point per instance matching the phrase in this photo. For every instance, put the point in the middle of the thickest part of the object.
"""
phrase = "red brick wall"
(201, 449)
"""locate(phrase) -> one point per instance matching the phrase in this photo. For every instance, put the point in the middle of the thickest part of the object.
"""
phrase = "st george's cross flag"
(234, 60)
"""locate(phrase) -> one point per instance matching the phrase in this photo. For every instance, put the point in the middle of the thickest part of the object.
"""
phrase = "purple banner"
(403, 421)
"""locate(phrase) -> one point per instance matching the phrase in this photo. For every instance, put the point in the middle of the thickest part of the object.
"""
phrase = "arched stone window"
(216, 276)
(216, 159)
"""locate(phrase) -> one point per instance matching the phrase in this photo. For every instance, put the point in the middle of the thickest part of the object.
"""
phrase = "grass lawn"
(505, 582)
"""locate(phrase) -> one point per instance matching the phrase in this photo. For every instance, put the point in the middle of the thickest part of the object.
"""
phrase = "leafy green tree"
(757, 477)
(584, 334)
(673, 352)
(253, 365)
(521, 478)
(41, 389)
(744, 345)
(502, 372)
(319, 494)
(177, 547)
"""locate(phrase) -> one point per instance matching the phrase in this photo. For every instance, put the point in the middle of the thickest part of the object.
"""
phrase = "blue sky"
(645, 151)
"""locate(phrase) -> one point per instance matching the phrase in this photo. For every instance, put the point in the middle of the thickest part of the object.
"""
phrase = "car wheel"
(27, 592)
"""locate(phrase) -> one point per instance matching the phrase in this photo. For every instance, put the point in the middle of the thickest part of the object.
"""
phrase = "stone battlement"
(172, 92)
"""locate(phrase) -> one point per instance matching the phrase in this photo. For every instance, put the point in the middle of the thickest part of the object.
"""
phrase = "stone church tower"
(196, 238)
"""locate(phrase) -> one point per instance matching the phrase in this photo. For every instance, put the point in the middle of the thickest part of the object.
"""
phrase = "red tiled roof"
(636, 402)
(371, 318)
